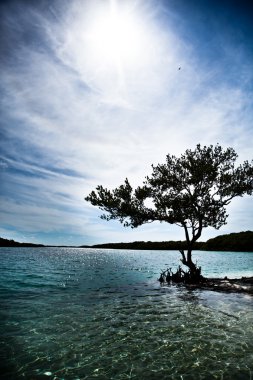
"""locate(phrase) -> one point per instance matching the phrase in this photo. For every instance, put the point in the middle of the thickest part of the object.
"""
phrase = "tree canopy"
(191, 191)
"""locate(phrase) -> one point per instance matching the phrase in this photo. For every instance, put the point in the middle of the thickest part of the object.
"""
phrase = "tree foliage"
(191, 191)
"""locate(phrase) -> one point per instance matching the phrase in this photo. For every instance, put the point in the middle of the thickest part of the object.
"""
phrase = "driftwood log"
(234, 285)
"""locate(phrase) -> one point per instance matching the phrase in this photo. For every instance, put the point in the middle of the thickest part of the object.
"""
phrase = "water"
(71, 313)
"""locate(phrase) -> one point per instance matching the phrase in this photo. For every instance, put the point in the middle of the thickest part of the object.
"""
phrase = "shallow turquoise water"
(101, 314)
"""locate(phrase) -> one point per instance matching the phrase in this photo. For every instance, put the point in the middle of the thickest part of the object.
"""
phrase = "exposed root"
(196, 281)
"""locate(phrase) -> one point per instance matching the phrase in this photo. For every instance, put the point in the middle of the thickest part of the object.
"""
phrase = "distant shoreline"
(235, 242)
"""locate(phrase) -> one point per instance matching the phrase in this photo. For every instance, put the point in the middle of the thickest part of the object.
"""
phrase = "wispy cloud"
(74, 117)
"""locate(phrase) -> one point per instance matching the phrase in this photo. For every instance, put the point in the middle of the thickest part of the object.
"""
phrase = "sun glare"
(116, 46)
(116, 36)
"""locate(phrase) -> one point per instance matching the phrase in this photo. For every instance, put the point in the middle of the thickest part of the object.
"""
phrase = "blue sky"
(91, 94)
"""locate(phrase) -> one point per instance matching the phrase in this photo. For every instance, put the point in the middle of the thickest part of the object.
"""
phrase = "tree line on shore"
(238, 242)
(13, 243)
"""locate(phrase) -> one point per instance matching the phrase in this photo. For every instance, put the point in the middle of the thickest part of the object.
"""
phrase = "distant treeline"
(13, 243)
(242, 241)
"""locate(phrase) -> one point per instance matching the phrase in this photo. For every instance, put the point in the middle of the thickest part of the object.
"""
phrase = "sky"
(94, 91)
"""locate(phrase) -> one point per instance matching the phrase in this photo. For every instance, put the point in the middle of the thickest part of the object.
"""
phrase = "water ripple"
(82, 314)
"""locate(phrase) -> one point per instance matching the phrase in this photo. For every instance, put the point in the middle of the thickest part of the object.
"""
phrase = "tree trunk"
(188, 260)
(194, 274)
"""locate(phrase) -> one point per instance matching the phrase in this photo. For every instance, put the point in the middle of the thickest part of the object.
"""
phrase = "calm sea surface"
(69, 313)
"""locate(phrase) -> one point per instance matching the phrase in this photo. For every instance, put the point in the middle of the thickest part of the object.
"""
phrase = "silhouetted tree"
(191, 191)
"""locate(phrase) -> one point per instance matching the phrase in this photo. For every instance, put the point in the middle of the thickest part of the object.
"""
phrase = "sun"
(113, 45)
(117, 37)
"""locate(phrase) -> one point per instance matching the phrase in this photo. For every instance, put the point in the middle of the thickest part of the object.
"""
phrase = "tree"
(191, 191)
